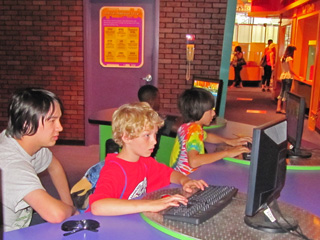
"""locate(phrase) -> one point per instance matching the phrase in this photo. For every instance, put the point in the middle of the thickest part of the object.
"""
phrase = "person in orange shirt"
(270, 53)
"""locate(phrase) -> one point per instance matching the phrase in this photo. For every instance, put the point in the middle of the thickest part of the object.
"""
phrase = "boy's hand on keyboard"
(189, 185)
(239, 141)
(168, 201)
(233, 152)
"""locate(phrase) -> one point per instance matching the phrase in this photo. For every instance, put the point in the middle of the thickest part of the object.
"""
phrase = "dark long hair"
(237, 49)
(288, 53)
(26, 108)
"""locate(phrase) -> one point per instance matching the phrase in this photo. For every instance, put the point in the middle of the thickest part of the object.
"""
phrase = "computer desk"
(301, 189)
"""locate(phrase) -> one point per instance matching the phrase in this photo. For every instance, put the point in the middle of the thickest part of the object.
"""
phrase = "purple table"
(301, 190)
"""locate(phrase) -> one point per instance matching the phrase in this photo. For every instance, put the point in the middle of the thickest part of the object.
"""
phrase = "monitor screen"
(295, 115)
(295, 111)
(267, 173)
(212, 85)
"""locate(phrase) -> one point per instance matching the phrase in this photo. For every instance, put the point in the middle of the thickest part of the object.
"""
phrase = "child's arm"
(213, 138)
(187, 183)
(196, 160)
(115, 207)
(292, 72)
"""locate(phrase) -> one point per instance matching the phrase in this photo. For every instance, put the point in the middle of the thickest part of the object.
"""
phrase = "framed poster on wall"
(121, 37)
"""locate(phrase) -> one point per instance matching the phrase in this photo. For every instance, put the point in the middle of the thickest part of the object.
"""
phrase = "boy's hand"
(168, 201)
(238, 141)
(233, 152)
(187, 183)
(190, 184)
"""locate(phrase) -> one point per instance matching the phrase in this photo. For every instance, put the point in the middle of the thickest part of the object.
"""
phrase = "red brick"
(43, 47)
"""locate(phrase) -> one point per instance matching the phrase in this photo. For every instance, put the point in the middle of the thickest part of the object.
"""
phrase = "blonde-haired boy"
(132, 172)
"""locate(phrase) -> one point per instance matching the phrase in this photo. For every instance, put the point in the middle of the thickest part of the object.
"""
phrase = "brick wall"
(205, 19)
(41, 44)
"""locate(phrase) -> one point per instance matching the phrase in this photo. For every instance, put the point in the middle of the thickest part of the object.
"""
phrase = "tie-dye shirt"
(190, 136)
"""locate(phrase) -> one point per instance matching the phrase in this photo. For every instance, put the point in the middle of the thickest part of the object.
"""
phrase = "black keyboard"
(202, 205)
(247, 156)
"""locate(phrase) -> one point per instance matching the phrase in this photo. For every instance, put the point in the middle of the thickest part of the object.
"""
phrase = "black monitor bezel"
(220, 82)
(296, 140)
(254, 204)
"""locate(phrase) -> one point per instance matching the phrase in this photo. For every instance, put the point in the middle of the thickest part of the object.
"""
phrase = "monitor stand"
(299, 153)
(261, 222)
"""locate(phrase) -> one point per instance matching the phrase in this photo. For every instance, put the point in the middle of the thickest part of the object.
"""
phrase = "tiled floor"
(236, 110)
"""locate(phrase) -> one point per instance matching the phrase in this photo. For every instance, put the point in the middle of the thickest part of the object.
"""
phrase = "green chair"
(165, 148)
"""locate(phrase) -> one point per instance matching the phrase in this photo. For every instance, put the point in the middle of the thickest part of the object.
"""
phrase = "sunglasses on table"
(74, 226)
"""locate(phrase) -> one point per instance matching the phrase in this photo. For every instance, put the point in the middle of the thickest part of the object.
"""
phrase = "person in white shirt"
(286, 78)
(34, 124)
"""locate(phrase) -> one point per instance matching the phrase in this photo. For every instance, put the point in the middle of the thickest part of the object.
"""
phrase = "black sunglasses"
(76, 226)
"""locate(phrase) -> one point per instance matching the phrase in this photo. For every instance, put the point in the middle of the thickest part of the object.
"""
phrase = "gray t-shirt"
(19, 173)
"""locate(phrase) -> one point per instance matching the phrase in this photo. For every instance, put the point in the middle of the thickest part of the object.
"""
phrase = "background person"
(237, 63)
(150, 94)
(34, 125)
(286, 78)
(270, 54)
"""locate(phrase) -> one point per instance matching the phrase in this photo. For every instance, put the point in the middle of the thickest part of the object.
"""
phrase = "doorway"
(110, 87)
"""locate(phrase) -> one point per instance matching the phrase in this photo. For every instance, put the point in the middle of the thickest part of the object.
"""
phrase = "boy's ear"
(125, 138)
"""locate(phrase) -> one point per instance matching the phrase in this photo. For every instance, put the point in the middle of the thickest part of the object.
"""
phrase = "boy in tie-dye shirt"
(188, 153)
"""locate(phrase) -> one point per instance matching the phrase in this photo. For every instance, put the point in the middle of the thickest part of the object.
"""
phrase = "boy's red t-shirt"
(127, 180)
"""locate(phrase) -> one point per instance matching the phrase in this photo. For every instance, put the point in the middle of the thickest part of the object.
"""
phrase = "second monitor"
(295, 113)
(212, 85)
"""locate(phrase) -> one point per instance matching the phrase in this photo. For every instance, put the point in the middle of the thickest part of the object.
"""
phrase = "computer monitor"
(295, 111)
(267, 175)
(212, 85)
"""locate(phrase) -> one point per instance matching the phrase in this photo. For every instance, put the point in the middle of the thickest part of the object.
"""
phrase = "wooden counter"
(303, 88)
